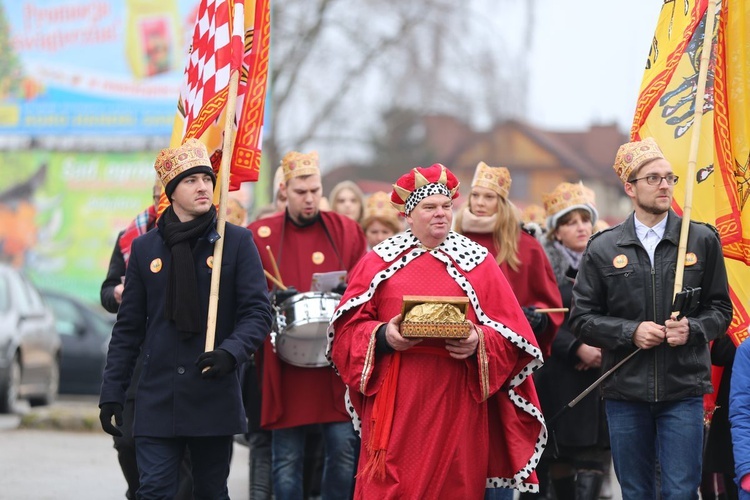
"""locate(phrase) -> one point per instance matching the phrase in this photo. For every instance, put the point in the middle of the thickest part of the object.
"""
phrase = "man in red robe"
(298, 400)
(439, 418)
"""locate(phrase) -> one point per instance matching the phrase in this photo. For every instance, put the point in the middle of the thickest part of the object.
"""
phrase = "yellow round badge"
(620, 261)
(691, 259)
(264, 231)
(155, 266)
(318, 257)
(210, 261)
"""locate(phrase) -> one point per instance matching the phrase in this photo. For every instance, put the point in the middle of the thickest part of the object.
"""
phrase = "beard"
(655, 208)
(303, 220)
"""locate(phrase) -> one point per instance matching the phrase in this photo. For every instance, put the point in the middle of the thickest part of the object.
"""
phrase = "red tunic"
(458, 425)
(292, 395)
(534, 283)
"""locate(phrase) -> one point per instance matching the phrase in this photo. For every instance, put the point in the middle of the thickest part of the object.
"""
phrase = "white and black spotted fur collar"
(466, 253)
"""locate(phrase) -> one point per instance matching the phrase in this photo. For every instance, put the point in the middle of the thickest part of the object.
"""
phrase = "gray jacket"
(617, 288)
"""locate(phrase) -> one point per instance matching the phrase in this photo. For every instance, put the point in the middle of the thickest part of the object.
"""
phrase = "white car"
(29, 344)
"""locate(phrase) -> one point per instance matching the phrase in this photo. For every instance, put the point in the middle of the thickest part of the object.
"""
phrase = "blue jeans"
(159, 462)
(498, 494)
(670, 432)
(288, 454)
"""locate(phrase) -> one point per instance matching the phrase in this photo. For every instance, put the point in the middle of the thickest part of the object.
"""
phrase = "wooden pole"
(700, 91)
(552, 310)
(274, 280)
(274, 265)
(226, 162)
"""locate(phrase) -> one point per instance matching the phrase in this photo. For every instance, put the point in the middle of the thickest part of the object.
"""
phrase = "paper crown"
(172, 164)
(494, 178)
(533, 213)
(296, 164)
(565, 198)
(589, 194)
(379, 205)
(633, 155)
(420, 183)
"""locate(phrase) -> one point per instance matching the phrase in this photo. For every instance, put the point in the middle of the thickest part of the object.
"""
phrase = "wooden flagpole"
(226, 160)
(700, 91)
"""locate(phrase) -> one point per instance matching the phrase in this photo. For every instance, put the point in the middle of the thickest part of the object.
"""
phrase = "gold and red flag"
(229, 35)
(666, 112)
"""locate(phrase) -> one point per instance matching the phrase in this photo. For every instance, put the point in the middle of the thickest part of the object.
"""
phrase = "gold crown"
(564, 196)
(171, 162)
(379, 206)
(296, 164)
(533, 213)
(632, 155)
(494, 178)
(589, 193)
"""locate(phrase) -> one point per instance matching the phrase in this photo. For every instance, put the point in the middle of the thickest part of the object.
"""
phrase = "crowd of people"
(334, 358)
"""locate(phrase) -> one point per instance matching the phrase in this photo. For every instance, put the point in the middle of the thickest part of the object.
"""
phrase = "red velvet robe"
(534, 283)
(292, 395)
(458, 425)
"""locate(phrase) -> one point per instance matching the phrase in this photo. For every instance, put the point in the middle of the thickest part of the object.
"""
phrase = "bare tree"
(340, 66)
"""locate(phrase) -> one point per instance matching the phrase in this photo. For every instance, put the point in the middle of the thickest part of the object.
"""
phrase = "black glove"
(538, 321)
(218, 361)
(340, 289)
(106, 412)
(280, 296)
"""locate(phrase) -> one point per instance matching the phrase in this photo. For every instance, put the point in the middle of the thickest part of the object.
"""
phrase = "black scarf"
(183, 304)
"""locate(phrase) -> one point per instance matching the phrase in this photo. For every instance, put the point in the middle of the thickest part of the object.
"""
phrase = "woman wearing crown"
(491, 220)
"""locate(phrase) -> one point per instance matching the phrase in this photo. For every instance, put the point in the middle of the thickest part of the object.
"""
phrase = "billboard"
(102, 67)
(60, 213)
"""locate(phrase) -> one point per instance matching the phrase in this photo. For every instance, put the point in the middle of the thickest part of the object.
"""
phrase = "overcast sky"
(587, 61)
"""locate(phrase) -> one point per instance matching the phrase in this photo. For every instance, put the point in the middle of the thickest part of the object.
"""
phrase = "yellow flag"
(665, 111)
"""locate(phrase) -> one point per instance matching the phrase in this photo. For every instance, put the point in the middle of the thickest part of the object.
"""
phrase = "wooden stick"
(275, 281)
(553, 310)
(708, 37)
(226, 161)
(275, 267)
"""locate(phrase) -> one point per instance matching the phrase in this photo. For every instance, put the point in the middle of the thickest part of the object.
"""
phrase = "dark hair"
(564, 219)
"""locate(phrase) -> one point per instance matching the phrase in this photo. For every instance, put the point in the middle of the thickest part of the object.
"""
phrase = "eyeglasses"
(655, 180)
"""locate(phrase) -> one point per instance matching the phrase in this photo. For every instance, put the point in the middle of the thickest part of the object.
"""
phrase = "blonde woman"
(381, 220)
(347, 199)
(492, 221)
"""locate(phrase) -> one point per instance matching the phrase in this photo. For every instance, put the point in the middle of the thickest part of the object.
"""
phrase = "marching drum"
(299, 336)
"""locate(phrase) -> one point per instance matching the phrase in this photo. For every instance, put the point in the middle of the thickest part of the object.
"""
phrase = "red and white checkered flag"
(216, 50)
(229, 35)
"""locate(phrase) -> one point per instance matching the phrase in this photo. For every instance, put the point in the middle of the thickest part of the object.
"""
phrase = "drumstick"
(276, 272)
(553, 310)
(274, 280)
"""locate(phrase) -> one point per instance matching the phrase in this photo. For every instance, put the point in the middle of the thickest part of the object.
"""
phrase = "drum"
(301, 328)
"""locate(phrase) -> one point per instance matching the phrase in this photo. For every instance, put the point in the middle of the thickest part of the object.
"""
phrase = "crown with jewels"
(296, 164)
(632, 155)
(495, 178)
(172, 162)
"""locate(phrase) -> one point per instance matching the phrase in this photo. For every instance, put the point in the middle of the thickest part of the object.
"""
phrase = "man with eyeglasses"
(622, 302)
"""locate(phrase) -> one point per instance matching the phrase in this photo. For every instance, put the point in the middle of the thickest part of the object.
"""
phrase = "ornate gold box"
(441, 317)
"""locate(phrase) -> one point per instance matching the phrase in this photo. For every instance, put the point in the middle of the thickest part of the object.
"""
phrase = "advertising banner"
(74, 67)
(60, 214)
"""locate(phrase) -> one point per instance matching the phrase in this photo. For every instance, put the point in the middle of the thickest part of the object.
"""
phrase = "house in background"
(538, 160)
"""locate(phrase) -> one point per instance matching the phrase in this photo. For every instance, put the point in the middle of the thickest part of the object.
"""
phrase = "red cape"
(498, 376)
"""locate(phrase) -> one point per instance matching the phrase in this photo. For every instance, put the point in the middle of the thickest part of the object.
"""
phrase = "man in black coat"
(622, 302)
(185, 397)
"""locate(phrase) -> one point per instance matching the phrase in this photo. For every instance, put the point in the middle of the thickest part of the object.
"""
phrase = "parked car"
(85, 331)
(29, 344)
